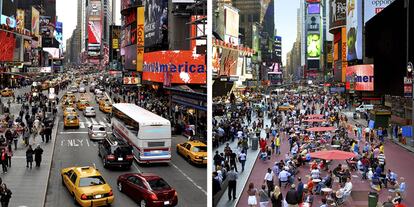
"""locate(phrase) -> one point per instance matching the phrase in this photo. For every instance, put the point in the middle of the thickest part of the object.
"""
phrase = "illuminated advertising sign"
(126, 4)
(354, 29)
(314, 8)
(94, 32)
(216, 59)
(9, 7)
(7, 46)
(231, 20)
(156, 22)
(255, 41)
(343, 52)
(58, 32)
(313, 22)
(362, 76)
(130, 57)
(131, 78)
(94, 11)
(140, 38)
(27, 45)
(46, 26)
(337, 14)
(9, 21)
(373, 7)
(20, 18)
(228, 62)
(314, 46)
(35, 21)
(177, 66)
(313, 1)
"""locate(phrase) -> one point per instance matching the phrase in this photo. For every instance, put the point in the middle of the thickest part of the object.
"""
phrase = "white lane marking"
(81, 125)
(109, 124)
(102, 123)
(94, 121)
(87, 142)
(188, 178)
(73, 132)
(19, 157)
(133, 164)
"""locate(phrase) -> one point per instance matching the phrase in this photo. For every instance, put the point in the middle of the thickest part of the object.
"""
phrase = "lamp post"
(410, 72)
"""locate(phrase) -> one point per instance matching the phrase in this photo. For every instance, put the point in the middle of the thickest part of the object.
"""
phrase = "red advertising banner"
(180, 66)
(7, 45)
(362, 76)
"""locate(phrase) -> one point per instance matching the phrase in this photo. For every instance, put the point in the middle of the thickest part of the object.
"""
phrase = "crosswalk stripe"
(102, 123)
(94, 121)
(81, 125)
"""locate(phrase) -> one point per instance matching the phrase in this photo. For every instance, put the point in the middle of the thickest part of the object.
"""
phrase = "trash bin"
(255, 143)
(372, 199)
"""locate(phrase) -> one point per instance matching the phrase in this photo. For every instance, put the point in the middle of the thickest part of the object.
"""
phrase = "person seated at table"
(314, 165)
(315, 173)
(326, 182)
(310, 184)
(397, 199)
(376, 182)
(307, 196)
(347, 189)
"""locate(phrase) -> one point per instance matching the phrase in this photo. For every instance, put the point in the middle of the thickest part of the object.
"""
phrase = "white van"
(364, 107)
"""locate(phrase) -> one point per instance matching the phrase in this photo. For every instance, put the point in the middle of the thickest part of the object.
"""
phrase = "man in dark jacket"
(38, 155)
(300, 190)
(292, 197)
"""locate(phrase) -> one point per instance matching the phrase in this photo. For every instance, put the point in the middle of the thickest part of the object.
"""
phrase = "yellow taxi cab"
(87, 186)
(285, 107)
(68, 103)
(71, 120)
(69, 110)
(103, 100)
(66, 95)
(105, 107)
(194, 151)
(7, 92)
(82, 104)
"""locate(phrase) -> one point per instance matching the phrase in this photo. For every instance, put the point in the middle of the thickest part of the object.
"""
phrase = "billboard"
(9, 21)
(35, 21)
(314, 8)
(231, 19)
(126, 4)
(215, 62)
(354, 29)
(313, 22)
(313, 1)
(362, 76)
(7, 46)
(313, 46)
(373, 7)
(337, 14)
(343, 54)
(130, 57)
(46, 26)
(58, 32)
(94, 11)
(20, 19)
(228, 62)
(53, 52)
(94, 32)
(156, 22)
(9, 8)
(131, 78)
(27, 55)
(140, 38)
(175, 66)
(116, 36)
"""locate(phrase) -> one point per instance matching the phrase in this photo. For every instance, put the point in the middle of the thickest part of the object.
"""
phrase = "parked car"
(147, 189)
(115, 152)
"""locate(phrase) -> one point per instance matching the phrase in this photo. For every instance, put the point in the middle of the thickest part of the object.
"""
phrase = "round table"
(335, 146)
(316, 180)
(326, 190)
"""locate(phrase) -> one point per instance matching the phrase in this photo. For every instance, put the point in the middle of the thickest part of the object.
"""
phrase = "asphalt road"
(73, 148)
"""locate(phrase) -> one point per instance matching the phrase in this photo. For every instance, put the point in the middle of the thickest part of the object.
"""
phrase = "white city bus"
(148, 133)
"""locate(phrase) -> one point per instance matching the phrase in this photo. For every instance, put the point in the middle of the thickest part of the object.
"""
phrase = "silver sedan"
(97, 132)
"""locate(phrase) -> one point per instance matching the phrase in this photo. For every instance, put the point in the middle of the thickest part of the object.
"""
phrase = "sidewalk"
(243, 176)
(29, 186)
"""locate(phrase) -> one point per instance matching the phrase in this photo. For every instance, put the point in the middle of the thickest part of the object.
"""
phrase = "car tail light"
(175, 194)
(84, 197)
(130, 157)
(153, 197)
(110, 157)
(110, 193)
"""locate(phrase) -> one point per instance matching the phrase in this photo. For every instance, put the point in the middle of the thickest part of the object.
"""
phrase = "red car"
(147, 189)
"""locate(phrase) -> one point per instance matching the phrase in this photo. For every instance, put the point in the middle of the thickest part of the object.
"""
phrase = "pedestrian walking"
(38, 155)
(29, 156)
(242, 159)
(268, 179)
(252, 192)
(5, 194)
(277, 197)
(4, 160)
(9, 156)
(263, 197)
(232, 176)
(292, 197)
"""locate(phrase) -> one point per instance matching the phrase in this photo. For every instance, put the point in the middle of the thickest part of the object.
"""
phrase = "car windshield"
(98, 128)
(199, 149)
(91, 181)
(71, 118)
(158, 184)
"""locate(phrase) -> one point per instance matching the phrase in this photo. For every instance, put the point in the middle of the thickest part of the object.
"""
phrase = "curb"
(250, 173)
(51, 159)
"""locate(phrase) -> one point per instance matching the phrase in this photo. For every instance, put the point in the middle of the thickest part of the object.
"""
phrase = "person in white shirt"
(315, 173)
(268, 179)
(347, 188)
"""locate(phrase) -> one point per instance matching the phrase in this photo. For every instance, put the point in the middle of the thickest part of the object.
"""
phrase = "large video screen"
(314, 46)
(94, 32)
(314, 8)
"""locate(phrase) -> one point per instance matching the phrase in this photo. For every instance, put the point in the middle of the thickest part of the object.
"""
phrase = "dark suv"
(115, 152)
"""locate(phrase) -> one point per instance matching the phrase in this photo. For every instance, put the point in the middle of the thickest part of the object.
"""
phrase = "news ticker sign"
(140, 38)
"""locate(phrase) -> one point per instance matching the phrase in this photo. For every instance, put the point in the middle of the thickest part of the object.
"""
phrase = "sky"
(285, 24)
(66, 10)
